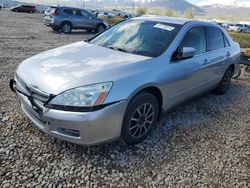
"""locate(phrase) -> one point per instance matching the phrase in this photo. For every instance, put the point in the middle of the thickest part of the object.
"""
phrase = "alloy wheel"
(66, 28)
(141, 120)
(226, 80)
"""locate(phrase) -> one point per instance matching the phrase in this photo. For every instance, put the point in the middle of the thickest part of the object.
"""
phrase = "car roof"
(165, 19)
(65, 7)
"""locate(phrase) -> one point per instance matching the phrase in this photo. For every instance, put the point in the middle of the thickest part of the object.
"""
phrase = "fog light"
(69, 132)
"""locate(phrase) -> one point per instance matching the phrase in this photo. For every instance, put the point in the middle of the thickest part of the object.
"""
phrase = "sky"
(195, 2)
(222, 2)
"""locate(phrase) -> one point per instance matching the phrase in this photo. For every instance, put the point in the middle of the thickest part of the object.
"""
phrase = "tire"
(99, 28)
(55, 28)
(225, 82)
(140, 118)
(66, 27)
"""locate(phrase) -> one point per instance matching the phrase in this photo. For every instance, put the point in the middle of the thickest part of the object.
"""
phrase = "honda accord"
(118, 83)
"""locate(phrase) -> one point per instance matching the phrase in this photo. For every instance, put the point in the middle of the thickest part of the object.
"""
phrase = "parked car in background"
(118, 83)
(106, 14)
(24, 8)
(238, 27)
(68, 18)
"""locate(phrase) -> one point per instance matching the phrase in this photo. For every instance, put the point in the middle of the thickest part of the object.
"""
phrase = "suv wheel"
(100, 28)
(225, 82)
(66, 27)
(140, 118)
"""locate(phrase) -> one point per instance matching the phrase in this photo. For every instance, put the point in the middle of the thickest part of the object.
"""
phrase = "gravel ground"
(203, 143)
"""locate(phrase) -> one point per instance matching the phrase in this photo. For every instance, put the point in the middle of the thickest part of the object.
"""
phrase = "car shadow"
(74, 32)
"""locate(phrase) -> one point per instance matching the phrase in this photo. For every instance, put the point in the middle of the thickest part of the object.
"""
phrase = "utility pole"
(83, 3)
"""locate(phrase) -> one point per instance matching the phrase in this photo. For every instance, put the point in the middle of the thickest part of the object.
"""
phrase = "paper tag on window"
(165, 27)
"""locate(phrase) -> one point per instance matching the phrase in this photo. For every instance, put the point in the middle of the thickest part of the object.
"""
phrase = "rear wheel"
(140, 118)
(66, 27)
(225, 82)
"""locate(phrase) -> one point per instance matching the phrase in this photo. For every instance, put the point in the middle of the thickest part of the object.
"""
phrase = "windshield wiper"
(117, 48)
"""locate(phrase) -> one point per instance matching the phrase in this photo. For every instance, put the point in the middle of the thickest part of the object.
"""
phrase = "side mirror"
(184, 53)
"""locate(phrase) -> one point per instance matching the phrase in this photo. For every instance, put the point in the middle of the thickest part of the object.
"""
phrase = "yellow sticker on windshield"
(165, 27)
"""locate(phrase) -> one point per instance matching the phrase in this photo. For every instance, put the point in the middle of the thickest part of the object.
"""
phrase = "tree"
(141, 11)
(189, 13)
(171, 13)
(155, 11)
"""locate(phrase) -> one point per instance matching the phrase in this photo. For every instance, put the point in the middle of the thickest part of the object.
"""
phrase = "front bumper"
(84, 128)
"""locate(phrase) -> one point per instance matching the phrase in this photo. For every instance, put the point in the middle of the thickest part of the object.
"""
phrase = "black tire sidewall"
(64, 25)
(98, 30)
(220, 90)
(132, 106)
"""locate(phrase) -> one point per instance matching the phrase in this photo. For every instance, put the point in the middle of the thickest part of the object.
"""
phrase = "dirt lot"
(204, 143)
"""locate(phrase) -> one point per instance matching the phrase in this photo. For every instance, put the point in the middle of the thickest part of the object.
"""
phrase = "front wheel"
(140, 118)
(99, 28)
(225, 82)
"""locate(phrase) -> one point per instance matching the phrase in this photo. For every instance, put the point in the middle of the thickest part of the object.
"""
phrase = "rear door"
(219, 53)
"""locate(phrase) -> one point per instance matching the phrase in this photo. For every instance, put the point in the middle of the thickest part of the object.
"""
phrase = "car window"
(215, 38)
(77, 12)
(68, 11)
(195, 38)
(226, 43)
(86, 14)
(142, 37)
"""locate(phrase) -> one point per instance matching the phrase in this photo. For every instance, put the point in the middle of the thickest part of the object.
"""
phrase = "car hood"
(52, 70)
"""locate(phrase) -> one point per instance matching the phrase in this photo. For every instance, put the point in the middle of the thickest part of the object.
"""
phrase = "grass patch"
(113, 20)
(242, 38)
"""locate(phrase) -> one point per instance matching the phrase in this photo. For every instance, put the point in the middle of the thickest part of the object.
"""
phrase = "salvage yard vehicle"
(238, 27)
(118, 83)
(24, 8)
(68, 18)
(244, 68)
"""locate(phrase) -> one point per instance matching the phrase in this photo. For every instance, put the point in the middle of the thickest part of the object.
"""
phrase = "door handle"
(228, 54)
(205, 62)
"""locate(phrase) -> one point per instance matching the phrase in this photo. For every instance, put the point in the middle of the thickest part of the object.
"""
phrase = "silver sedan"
(118, 83)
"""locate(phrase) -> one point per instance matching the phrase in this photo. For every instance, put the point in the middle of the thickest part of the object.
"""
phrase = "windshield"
(148, 38)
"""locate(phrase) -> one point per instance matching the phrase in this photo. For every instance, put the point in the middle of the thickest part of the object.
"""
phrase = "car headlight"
(85, 96)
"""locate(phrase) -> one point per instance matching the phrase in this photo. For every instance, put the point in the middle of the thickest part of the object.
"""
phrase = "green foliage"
(171, 13)
(113, 20)
(155, 11)
(242, 38)
(141, 11)
(189, 13)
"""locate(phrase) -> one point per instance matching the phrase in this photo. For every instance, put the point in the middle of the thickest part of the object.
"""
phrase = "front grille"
(33, 93)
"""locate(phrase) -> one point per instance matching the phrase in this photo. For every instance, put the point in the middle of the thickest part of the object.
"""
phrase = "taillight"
(54, 12)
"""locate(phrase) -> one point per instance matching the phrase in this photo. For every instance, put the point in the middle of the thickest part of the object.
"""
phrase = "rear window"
(68, 11)
(215, 38)
(27, 6)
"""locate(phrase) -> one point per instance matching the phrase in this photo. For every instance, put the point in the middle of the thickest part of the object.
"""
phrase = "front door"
(188, 75)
